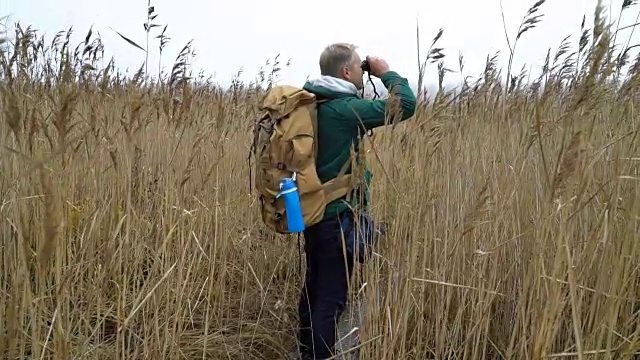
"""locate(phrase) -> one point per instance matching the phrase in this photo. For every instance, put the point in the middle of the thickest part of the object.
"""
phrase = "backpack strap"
(340, 186)
(313, 113)
(343, 184)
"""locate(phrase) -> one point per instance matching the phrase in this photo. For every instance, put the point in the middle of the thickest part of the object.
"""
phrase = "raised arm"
(372, 113)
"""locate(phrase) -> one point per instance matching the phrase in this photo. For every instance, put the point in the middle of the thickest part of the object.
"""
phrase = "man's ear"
(345, 72)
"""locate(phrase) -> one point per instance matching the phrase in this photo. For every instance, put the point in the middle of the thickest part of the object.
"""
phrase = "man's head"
(342, 61)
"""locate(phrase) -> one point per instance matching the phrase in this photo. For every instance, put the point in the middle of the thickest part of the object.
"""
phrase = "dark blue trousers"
(324, 293)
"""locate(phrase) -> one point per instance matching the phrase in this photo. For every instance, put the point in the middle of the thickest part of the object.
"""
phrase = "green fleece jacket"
(344, 119)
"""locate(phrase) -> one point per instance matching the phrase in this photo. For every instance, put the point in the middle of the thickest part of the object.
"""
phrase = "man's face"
(354, 73)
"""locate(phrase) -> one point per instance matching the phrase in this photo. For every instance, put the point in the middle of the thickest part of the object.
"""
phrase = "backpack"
(285, 145)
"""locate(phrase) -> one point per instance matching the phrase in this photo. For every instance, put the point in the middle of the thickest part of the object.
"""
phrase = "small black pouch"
(363, 235)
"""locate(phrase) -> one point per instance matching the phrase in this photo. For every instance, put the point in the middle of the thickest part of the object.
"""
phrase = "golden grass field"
(129, 230)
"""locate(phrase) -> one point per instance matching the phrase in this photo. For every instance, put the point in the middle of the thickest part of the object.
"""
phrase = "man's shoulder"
(335, 117)
(334, 110)
(346, 103)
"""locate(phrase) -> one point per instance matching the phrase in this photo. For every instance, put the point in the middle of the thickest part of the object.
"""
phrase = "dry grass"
(128, 229)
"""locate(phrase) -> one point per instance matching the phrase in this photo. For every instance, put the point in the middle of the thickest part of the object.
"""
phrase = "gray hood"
(329, 86)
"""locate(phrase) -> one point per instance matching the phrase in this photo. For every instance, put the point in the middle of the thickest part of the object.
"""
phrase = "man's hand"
(377, 65)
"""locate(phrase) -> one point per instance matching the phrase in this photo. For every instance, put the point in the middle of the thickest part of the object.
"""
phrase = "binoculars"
(365, 66)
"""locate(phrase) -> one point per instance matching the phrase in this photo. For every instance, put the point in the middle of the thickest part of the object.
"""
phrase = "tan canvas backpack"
(284, 144)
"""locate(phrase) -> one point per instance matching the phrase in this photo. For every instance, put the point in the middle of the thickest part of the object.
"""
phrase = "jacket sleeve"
(372, 113)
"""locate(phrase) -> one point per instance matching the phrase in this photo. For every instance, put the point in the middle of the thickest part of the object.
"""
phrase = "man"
(343, 117)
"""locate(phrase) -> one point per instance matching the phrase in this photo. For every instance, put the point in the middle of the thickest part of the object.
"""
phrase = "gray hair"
(335, 57)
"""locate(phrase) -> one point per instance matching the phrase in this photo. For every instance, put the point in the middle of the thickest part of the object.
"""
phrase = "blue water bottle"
(289, 190)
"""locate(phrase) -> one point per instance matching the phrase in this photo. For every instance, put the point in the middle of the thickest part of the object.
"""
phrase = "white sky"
(245, 33)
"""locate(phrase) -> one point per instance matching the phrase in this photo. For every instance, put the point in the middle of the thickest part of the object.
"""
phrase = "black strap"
(299, 256)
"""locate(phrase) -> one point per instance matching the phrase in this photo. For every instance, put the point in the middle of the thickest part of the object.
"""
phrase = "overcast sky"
(245, 33)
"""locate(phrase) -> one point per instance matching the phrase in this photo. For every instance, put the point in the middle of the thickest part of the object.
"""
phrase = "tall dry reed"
(129, 230)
